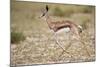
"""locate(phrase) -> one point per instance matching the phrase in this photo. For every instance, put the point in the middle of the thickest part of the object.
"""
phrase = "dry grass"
(39, 47)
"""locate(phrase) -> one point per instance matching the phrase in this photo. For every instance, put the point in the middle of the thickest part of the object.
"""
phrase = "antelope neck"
(48, 20)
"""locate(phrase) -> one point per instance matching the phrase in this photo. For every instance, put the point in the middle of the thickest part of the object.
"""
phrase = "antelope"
(65, 25)
(60, 25)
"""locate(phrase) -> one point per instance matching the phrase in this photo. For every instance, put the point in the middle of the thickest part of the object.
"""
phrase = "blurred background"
(32, 41)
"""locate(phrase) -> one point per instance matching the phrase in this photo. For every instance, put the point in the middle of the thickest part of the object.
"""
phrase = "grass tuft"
(16, 37)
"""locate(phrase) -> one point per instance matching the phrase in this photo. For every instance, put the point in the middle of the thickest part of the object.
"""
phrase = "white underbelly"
(63, 30)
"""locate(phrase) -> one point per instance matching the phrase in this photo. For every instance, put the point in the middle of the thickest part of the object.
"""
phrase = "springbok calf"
(66, 25)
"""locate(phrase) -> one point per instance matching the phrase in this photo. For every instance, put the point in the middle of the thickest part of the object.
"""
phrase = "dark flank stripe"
(65, 26)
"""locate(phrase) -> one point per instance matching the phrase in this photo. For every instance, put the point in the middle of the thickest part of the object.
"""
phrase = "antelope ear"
(47, 7)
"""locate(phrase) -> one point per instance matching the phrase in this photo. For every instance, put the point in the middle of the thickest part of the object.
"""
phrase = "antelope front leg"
(59, 44)
(67, 47)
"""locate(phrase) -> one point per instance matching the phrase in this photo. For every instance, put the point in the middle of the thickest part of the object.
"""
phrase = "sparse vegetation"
(67, 11)
(59, 12)
(37, 45)
(87, 9)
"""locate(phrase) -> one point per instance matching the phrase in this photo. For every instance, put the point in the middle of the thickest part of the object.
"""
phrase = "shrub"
(83, 9)
(62, 12)
(58, 12)
(16, 37)
(87, 9)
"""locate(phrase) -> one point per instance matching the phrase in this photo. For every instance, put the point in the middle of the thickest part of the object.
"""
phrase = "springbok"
(60, 25)
(65, 25)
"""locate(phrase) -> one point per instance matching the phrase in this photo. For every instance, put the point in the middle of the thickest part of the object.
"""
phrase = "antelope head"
(45, 11)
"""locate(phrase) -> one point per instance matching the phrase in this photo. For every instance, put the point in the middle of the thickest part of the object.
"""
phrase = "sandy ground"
(40, 47)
